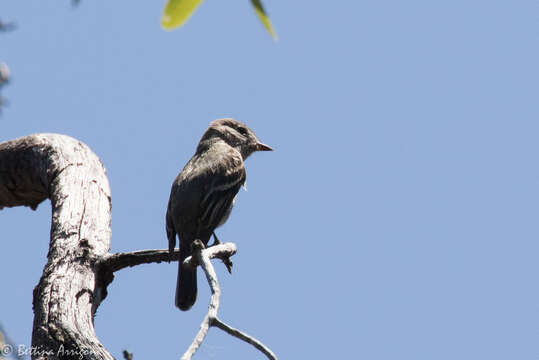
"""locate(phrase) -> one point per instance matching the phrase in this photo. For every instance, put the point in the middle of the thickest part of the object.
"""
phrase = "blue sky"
(396, 218)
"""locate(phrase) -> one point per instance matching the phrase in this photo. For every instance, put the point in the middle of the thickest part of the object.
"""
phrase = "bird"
(204, 192)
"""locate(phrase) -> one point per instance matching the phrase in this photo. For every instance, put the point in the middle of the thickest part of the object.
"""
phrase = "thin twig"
(243, 336)
(201, 256)
(222, 251)
(119, 261)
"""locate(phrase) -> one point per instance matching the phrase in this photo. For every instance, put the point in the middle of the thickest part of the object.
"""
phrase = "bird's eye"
(242, 130)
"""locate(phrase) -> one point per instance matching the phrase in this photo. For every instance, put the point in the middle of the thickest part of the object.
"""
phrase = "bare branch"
(4, 70)
(119, 261)
(127, 355)
(221, 251)
(5, 76)
(7, 26)
(202, 258)
(200, 255)
(243, 336)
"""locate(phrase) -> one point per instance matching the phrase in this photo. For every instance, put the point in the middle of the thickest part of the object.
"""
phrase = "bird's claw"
(215, 240)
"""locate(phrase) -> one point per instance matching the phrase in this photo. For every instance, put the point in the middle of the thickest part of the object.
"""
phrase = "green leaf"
(263, 16)
(177, 12)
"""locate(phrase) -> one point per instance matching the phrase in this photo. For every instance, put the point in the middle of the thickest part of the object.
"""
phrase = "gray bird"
(203, 194)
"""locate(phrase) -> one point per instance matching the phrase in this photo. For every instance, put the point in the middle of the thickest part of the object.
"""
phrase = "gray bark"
(66, 171)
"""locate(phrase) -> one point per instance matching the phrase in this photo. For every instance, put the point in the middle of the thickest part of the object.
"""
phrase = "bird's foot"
(215, 240)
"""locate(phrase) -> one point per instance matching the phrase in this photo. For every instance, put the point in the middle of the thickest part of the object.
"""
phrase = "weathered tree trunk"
(66, 171)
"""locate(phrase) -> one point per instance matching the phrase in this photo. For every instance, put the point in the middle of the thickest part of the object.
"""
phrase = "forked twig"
(203, 259)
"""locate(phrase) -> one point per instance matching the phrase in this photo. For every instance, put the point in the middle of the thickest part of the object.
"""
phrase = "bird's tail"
(186, 286)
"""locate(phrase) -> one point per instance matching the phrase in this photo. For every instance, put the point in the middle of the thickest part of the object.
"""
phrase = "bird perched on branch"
(203, 194)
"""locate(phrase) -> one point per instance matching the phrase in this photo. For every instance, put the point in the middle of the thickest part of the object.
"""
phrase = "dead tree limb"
(110, 263)
(200, 255)
(66, 171)
(7, 26)
(79, 266)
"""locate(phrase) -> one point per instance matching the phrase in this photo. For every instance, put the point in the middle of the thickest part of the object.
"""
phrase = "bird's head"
(235, 134)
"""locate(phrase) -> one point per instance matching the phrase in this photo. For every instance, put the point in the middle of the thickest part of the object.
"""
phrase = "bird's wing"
(203, 193)
(225, 179)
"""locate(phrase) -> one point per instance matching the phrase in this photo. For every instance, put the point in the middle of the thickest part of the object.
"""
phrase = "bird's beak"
(263, 147)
